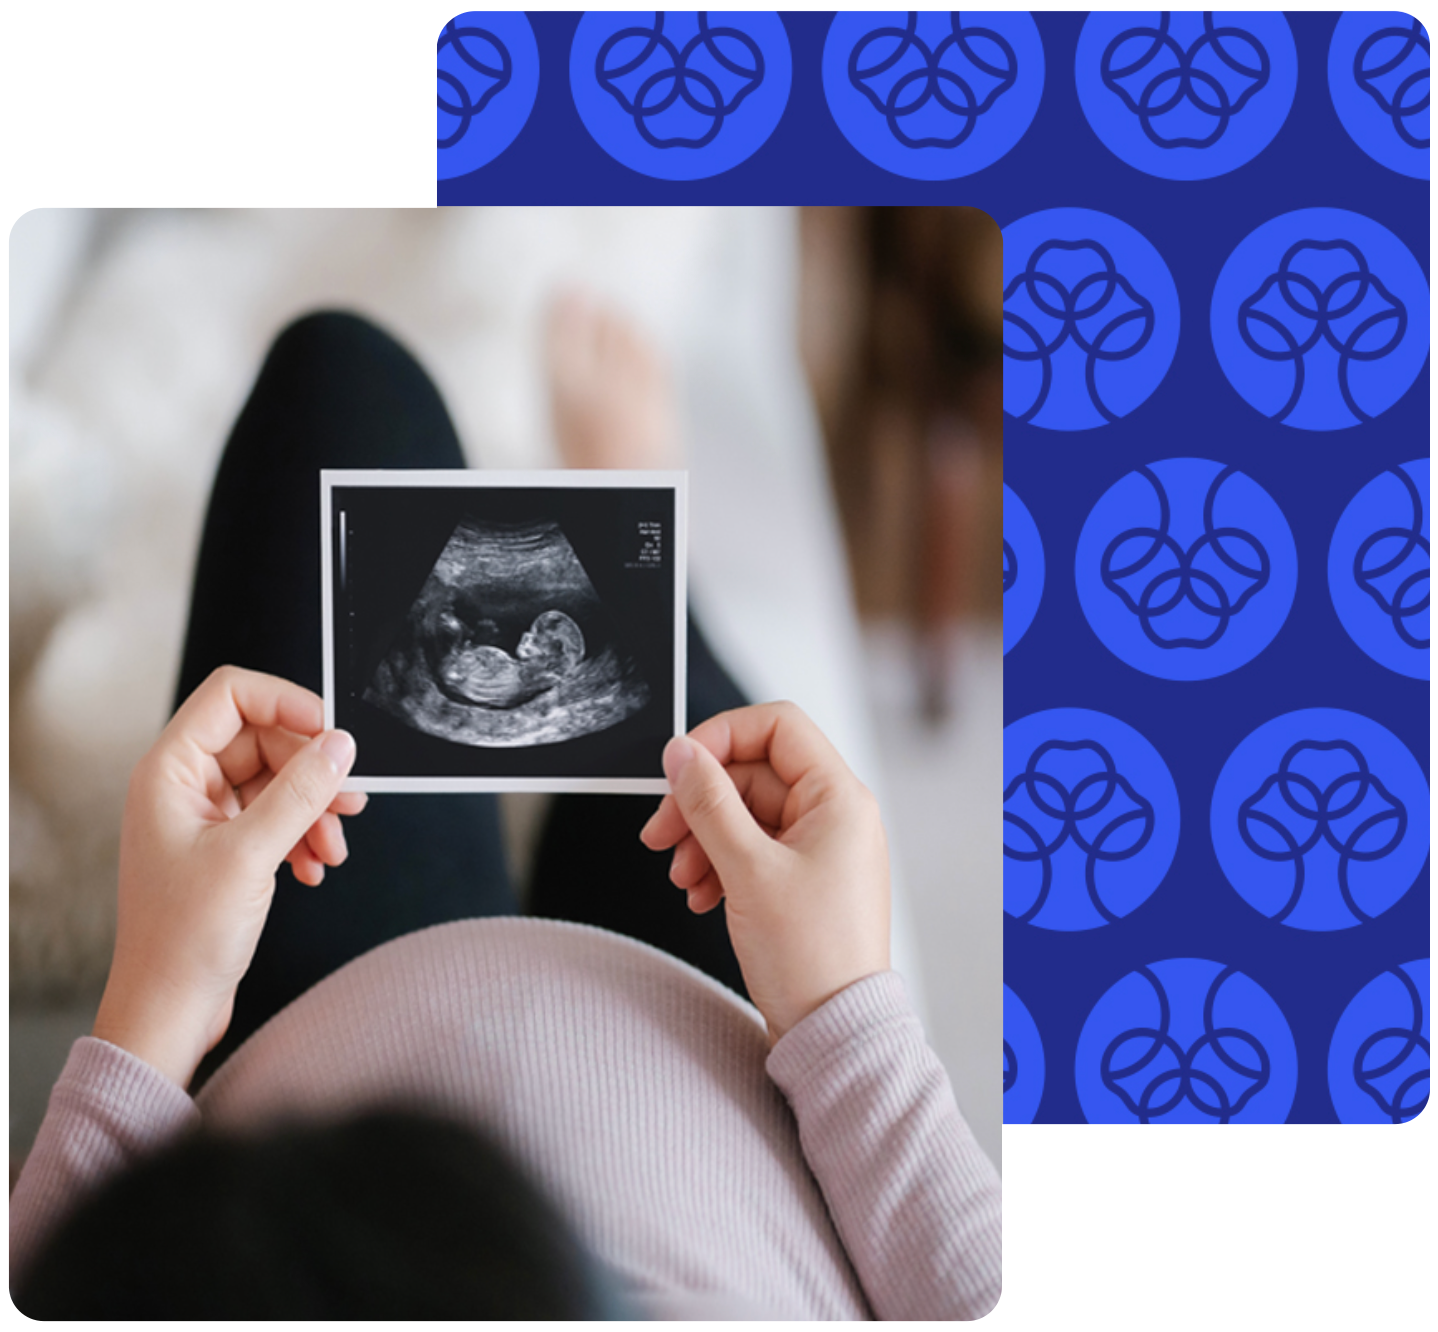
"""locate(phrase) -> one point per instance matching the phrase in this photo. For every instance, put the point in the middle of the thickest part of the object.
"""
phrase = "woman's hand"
(765, 815)
(240, 780)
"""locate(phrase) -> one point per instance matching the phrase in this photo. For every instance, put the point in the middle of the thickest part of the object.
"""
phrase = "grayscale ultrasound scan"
(495, 650)
(505, 631)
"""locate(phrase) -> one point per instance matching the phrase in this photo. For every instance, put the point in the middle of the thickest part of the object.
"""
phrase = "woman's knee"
(337, 371)
(328, 335)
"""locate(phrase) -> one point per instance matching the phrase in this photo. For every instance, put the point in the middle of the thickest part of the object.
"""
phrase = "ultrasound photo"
(505, 631)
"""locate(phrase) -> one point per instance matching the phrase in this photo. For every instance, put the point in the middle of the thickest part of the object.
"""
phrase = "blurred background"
(839, 380)
(901, 333)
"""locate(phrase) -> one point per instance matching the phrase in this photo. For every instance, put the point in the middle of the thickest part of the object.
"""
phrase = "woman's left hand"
(240, 780)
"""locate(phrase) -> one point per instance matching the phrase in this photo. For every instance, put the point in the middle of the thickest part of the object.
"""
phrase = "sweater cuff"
(852, 1018)
(108, 1109)
(123, 1089)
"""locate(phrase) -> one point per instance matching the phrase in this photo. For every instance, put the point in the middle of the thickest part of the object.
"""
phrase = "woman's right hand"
(764, 815)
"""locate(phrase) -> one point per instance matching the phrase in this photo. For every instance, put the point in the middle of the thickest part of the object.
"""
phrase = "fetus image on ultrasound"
(507, 645)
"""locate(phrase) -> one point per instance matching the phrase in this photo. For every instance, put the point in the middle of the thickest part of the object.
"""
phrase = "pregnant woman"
(685, 1084)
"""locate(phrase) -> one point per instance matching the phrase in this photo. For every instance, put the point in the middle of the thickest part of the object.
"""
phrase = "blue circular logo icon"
(930, 95)
(680, 95)
(1320, 819)
(1090, 819)
(1320, 319)
(1023, 569)
(1378, 79)
(1186, 569)
(1186, 1041)
(1378, 1062)
(1090, 319)
(488, 79)
(1188, 95)
(1378, 569)
(1023, 1062)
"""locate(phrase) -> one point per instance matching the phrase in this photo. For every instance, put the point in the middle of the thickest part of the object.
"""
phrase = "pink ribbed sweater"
(830, 1177)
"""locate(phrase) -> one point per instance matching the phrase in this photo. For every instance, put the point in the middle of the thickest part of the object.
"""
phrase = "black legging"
(335, 391)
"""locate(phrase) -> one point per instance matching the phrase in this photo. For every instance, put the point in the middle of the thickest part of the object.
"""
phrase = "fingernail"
(677, 754)
(339, 748)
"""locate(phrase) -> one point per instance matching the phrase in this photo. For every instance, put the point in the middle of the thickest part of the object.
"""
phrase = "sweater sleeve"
(108, 1109)
(912, 1195)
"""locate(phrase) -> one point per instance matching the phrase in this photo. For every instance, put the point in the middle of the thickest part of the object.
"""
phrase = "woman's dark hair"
(393, 1214)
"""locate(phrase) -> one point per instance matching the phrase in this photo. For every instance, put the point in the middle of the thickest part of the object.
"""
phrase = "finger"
(762, 790)
(767, 749)
(326, 840)
(759, 786)
(258, 749)
(302, 853)
(226, 798)
(306, 868)
(666, 826)
(249, 791)
(347, 803)
(707, 895)
(713, 808)
(294, 800)
(253, 757)
(241, 760)
(778, 733)
(231, 699)
(276, 747)
(690, 864)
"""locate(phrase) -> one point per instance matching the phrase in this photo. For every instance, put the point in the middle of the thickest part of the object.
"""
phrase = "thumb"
(712, 807)
(301, 791)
